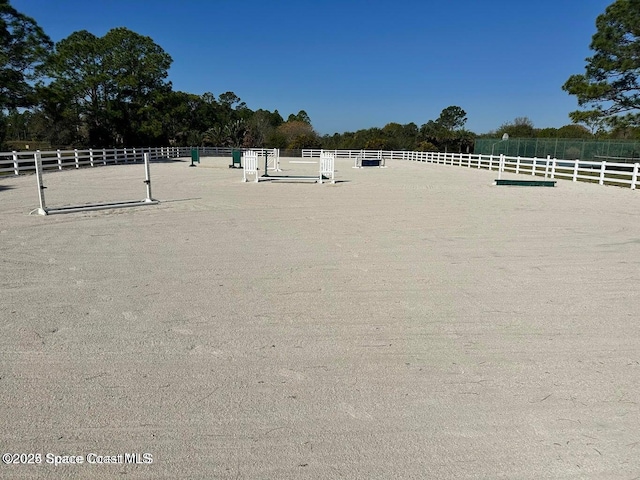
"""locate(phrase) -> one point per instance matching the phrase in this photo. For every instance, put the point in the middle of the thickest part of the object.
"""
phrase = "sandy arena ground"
(413, 322)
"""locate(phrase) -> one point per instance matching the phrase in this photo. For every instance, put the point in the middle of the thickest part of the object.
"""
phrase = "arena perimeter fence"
(16, 163)
(602, 172)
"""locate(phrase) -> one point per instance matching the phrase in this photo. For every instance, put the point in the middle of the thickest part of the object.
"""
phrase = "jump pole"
(147, 180)
(43, 210)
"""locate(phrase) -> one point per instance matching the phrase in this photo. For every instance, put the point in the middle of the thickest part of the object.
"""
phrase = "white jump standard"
(44, 210)
(326, 169)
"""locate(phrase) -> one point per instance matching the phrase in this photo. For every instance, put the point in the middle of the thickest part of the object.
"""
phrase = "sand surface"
(411, 322)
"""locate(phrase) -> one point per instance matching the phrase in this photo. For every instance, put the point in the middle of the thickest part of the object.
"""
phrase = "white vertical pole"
(634, 177)
(38, 161)
(603, 167)
(546, 166)
(59, 160)
(244, 169)
(575, 171)
(104, 156)
(254, 166)
(91, 156)
(533, 167)
(500, 166)
(16, 165)
(75, 156)
(518, 164)
(147, 178)
(553, 168)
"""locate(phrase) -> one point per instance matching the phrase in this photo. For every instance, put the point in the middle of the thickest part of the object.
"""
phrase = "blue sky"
(354, 64)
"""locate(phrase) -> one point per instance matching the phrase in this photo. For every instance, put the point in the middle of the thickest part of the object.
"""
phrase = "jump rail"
(44, 210)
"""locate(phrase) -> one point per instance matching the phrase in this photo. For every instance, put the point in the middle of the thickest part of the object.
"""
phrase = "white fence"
(24, 162)
(603, 173)
(16, 163)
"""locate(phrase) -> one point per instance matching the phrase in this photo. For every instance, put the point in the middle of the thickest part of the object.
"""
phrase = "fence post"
(104, 156)
(603, 167)
(59, 160)
(553, 168)
(91, 156)
(16, 164)
(634, 177)
(533, 167)
(575, 170)
(75, 156)
(546, 166)
(518, 164)
(490, 161)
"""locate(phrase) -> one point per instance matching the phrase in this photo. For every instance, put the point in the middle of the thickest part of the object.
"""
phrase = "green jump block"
(527, 183)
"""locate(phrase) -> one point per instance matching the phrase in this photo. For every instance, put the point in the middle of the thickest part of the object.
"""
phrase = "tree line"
(109, 91)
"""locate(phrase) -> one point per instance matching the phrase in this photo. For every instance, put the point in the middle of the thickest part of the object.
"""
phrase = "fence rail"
(601, 172)
(16, 163)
